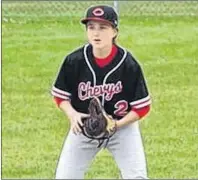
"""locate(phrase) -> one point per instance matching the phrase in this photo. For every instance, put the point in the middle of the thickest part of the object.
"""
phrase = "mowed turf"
(33, 128)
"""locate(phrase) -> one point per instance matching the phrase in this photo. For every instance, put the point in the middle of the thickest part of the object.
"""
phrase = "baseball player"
(105, 70)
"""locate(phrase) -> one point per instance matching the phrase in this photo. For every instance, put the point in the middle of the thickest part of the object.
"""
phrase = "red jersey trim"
(60, 93)
(141, 103)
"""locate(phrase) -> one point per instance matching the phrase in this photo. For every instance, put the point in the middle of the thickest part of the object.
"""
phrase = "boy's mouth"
(97, 40)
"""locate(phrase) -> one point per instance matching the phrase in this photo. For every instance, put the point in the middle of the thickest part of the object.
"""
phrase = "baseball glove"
(99, 126)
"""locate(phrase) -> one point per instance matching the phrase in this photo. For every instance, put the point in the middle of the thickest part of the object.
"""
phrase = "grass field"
(33, 129)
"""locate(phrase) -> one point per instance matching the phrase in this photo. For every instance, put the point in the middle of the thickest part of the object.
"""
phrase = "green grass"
(33, 129)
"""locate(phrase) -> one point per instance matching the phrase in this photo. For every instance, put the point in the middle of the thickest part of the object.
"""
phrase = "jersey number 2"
(121, 108)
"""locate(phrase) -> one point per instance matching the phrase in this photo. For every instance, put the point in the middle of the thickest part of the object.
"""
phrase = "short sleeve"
(137, 92)
(62, 87)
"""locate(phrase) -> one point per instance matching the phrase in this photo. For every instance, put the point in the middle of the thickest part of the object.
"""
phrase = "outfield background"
(36, 35)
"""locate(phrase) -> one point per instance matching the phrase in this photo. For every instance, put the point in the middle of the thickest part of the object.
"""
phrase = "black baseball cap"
(101, 13)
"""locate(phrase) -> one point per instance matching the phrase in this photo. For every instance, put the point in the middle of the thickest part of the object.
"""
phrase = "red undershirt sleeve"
(58, 100)
(142, 111)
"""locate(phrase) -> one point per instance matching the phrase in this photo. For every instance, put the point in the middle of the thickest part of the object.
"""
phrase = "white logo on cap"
(98, 12)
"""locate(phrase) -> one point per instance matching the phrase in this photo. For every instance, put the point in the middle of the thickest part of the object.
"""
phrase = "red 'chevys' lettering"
(86, 91)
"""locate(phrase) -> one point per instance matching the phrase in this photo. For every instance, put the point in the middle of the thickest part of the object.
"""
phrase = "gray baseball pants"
(126, 147)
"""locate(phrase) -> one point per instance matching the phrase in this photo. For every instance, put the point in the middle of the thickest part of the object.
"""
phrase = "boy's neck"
(102, 53)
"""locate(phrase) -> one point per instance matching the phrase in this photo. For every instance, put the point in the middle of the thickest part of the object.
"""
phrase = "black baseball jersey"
(120, 85)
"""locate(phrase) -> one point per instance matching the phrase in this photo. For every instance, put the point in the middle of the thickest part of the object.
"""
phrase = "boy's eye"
(103, 27)
(91, 27)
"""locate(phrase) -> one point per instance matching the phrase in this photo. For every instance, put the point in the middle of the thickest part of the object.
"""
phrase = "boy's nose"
(96, 32)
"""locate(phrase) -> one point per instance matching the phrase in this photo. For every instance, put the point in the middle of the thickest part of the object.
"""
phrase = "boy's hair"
(114, 39)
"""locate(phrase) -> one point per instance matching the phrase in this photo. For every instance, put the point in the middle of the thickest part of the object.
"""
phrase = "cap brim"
(84, 21)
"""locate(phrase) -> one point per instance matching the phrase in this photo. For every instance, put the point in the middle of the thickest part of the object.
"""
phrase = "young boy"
(103, 69)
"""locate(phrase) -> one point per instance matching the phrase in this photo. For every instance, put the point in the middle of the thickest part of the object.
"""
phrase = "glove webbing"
(96, 120)
(101, 140)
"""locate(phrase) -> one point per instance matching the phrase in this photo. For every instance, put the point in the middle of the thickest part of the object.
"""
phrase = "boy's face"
(100, 34)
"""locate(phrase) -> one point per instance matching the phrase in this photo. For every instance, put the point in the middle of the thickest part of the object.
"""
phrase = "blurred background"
(35, 10)
(37, 35)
